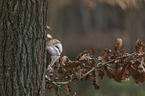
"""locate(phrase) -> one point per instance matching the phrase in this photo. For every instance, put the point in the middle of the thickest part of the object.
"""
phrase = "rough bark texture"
(22, 47)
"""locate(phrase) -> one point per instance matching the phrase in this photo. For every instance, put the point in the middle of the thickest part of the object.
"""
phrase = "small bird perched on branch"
(54, 49)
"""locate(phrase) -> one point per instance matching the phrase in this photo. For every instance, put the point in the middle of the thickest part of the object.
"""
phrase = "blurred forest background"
(84, 24)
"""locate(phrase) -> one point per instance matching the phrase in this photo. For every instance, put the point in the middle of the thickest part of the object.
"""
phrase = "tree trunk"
(22, 47)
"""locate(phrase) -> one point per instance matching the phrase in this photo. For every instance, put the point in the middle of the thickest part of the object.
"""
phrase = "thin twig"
(88, 72)
(58, 83)
(61, 83)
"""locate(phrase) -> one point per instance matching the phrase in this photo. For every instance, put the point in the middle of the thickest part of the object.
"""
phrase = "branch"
(58, 83)
(125, 56)
(62, 83)
(102, 64)
(88, 72)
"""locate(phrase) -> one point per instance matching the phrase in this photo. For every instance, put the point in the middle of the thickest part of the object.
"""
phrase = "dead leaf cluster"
(116, 64)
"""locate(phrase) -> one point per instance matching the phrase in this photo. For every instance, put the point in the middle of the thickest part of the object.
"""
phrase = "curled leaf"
(49, 28)
(49, 36)
(118, 44)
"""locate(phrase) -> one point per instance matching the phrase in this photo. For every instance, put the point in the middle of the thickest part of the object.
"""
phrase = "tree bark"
(22, 47)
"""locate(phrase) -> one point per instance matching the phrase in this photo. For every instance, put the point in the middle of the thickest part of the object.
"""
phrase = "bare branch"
(102, 64)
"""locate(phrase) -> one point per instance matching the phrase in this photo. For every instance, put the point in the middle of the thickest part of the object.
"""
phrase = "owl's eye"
(56, 47)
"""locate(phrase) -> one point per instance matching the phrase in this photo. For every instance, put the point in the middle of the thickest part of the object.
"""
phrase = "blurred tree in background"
(97, 21)
(81, 24)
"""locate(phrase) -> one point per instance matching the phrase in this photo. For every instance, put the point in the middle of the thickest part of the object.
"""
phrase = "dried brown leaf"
(60, 71)
(91, 63)
(95, 80)
(139, 77)
(96, 84)
(49, 36)
(120, 74)
(116, 48)
(113, 56)
(56, 89)
(141, 67)
(118, 44)
(49, 28)
(78, 73)
(106, 51)
(92, 51)
(71, 64)
(66, 89)
(78, 56)
(139, 46)
(117, 65)
(63, 60)
(103, 58)
(109, 72)
(100, 74)
(85, 57)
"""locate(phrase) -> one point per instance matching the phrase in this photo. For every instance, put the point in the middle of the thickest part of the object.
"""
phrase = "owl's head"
(54, 47)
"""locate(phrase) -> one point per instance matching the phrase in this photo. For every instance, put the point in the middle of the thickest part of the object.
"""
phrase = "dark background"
(84, 24)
